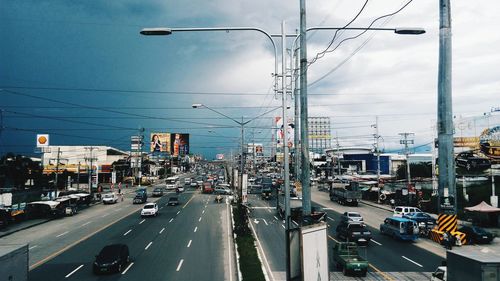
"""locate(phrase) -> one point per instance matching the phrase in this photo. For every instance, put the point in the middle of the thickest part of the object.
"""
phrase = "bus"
(400, 228)
(172, 182)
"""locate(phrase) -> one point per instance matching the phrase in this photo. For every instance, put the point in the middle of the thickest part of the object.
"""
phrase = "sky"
(80, 71)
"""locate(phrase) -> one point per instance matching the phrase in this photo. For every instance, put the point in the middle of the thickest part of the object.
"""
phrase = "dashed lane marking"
(189, 244)
(195, 229)
(72, 272)
(128, 267)
(330, 219)
(162, 230)
(265, 221)
(86, 223)
(412, 261)
(149, 245)
(180, 265)
(376, 242)
(276, 217)
(142, 221)
(128, 231)
(203, 212)
(178, 212)
(171, 220)
(64, 233)
(283, 226)
(32, 247)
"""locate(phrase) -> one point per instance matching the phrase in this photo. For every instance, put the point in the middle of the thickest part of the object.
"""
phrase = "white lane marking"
(171, 220)
(276, 218)
(195, 229)
(32, 247)
(203, 212)
(71, 273)
(64, 233)
(142, 221)
(283, 226)
(149, 245)
(412, 261)
(128, 267)
(331, 209)
(86, 223)
(162, 230)
(128, 231)
(105, 215)
(199, 219)
(229, 237)
(330, 219)
(178, 212)
(118, 209)
(189, 244)
(376, 242)
(180, 265)
(161, 207)
(265, 221)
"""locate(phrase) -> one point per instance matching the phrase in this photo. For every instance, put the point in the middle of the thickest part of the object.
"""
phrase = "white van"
(400, 211)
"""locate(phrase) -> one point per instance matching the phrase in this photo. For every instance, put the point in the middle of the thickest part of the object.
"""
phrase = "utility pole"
(304, 127)
(78, 177)
(57, 166)
(90, 159)
(405, 141)
(446, 162)
(339, 167)
(377, 150)
(296, 95)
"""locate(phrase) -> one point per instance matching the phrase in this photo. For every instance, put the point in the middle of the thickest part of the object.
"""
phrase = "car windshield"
(173, 199)
(356, 215)
(149, 206)
(108, 195)
(479, 230)
(157, 189)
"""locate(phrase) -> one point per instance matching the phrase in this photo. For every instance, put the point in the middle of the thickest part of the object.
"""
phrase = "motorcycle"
(218, 199)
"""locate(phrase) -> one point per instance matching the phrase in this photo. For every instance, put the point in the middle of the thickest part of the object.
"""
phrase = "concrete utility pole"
(304, 127)
(78, 177)
(57, 165)
(405, 141)
(90, 159)
(296, 122)
(377, 150)
(446, 161)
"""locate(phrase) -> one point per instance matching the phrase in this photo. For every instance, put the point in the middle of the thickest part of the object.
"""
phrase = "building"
(319, 134)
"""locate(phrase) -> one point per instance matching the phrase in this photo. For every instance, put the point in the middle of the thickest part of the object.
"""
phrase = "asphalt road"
(383, 253)
(185, 242)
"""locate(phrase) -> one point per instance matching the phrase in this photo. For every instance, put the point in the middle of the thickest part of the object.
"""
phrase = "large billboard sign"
(179, 144)
(42, 140)
(160, 142)
(280, 133)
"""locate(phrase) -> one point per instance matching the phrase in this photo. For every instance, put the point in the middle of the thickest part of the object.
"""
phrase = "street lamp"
(242, 124)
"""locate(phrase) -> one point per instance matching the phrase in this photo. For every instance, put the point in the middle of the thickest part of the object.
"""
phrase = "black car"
(421, 217)
(354, 232)
(472, 161)
(477, 235)
(112, 258)
(173, 201)
(158, 192)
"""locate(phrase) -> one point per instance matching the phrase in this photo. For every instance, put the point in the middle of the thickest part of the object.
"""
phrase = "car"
(180, 189)
(193, 184)
(109, 198)
(222, 190)
(173, 201)
(150, 209)
(158, 192)
(354, 232)
(112, 258)
(140, 198)
(187, 181)
(472, 161)
(400, 211)
(421, 217)
(351, 217)
(477, 235)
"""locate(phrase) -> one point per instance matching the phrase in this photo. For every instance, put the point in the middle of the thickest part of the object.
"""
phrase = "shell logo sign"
(42, 140)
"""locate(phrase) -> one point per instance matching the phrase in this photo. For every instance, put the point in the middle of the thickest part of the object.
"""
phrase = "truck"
(347, 259)
(348, 195)
(14, 262)
(469, 263)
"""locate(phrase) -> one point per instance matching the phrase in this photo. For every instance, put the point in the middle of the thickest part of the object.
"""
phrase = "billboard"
(160, 142)
(179, 144)
(279, 134)
(42, 140)
(314, 244)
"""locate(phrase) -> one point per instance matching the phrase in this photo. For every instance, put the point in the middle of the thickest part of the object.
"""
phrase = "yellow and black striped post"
(447, 222)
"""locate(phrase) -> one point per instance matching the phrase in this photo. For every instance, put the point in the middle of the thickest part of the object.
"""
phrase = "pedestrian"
(393, 203)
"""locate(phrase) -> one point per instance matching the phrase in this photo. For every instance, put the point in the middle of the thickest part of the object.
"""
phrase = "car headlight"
(115, 262)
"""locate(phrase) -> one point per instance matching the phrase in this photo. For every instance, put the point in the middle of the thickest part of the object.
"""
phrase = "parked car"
(421, 217)
(472, 161)
(354, 232)
(158, 192)
(109, 198)
(477, 235)
(351, 217)
(187, 181)
(150, 209)
(400, 211)
(112, 258)
(173, 201)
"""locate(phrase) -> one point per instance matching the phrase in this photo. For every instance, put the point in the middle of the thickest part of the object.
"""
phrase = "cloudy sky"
(81, 71)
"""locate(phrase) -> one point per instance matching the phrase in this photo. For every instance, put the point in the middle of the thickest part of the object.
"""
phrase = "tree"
(15, 170)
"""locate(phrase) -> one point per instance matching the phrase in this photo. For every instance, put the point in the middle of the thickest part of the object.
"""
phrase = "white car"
(109, 198)
(187, 181)
(150, 209)
(351, 217)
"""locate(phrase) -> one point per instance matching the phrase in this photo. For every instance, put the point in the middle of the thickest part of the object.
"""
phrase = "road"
(192, 241)
(400, 259)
